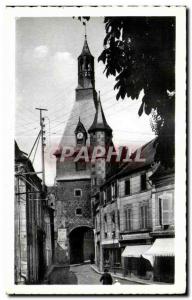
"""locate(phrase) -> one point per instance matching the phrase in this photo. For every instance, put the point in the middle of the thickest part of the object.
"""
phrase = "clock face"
(80, 135)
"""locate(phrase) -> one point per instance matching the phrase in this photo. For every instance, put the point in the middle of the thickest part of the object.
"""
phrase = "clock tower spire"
(86, 75)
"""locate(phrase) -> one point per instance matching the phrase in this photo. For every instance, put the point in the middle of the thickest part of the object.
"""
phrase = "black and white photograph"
(99, 151)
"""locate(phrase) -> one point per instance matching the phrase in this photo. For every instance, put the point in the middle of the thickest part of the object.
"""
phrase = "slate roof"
(147, 152)
(99, 122)
(85, 50)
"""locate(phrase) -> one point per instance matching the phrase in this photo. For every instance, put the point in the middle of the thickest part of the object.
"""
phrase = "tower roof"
(99, 122)
(80, 126)
(85, 50)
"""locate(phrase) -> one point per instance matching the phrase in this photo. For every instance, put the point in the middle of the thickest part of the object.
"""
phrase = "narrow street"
(86, 275)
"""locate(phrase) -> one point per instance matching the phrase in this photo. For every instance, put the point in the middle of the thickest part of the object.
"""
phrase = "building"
(33, 223)
(162, 254)
(86, 126)
(134, 220)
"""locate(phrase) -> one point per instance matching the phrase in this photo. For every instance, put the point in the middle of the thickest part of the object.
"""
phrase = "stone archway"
(81, 244)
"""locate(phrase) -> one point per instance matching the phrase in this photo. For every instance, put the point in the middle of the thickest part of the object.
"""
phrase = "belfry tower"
(73, 220)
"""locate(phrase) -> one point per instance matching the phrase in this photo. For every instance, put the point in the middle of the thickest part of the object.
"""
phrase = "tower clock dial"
(80, 135)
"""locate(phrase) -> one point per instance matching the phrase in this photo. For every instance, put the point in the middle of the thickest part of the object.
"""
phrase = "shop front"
(162, 258)
(134, 264)
(111, 255)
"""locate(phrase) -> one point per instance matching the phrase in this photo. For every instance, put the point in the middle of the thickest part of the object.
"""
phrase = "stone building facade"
(34, 232)
(134, 220)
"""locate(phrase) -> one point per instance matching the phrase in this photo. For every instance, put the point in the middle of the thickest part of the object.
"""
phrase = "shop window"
(127, 187)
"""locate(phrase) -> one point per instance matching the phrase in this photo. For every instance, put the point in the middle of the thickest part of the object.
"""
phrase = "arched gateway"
(81, 244)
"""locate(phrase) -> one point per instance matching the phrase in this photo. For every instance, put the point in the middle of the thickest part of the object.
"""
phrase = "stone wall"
(67, 203)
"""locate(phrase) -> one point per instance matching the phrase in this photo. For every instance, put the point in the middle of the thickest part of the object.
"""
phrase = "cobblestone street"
(86, 275)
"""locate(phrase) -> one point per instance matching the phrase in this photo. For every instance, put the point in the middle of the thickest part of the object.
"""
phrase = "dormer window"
(81, 134)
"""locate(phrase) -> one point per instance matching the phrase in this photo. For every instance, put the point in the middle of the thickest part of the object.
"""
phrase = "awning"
(161, 247)
(135, 251)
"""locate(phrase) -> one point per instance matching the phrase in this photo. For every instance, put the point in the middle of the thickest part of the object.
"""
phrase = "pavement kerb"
(121, 277)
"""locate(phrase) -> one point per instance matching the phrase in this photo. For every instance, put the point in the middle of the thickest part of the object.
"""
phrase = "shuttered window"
(143, 216)
(128, 219)
(166, 209)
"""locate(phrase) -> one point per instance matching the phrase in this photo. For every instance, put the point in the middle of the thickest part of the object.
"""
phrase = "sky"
(46, 77)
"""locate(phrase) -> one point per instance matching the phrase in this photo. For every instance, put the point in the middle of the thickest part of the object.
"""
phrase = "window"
(79, 211)
(128, 219)
(143, 216)
(104, 197)
(105, 226)
(77, 192)
(108, 198)
(127, 187)
(114, 190)
(118, 219)
(143, 182)
(96, 223)
(94, 181)
(166, 209)
(113, 222)
(80, 165)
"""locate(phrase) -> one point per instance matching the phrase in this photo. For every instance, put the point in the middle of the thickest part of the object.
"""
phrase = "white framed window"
(77, 192)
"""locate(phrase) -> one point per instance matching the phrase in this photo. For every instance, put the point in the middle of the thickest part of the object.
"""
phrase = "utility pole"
(42, 146)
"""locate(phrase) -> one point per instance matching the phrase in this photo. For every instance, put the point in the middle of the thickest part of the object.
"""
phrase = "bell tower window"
(86, 68)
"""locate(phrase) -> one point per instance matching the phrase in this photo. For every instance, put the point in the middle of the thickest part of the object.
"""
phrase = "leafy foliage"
(140, 53)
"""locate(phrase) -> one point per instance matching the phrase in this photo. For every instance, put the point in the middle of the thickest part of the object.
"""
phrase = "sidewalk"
(130, 279)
